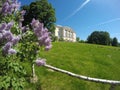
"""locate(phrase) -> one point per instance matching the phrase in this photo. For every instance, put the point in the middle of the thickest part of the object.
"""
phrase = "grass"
(90, 60)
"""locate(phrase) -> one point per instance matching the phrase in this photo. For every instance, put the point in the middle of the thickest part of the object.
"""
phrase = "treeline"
(101, 38)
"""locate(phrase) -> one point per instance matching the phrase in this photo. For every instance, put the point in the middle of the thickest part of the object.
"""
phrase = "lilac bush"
(11, 70)
(12, 32)
(42, 34)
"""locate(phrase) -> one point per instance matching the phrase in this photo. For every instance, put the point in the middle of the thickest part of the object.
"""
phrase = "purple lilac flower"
(10, 10)
(12, 51)
(7, 47)
(42, 34)
(40, 62)
(5, 8)
(10, 6)
(35, 23)
(9, 25)
(5, 31)
(37, 32)
(24, 29)
(6, 27)
(15, 40)
(1, 36)
(15, 5)
(47, 42)
(8, 35)
(48, 47)
(3, 27)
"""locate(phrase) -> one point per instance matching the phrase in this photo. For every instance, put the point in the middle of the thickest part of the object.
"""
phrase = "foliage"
(12, 74)
(26, 46)
(54, 38)
(61, 39)
(114, 42)
(8, 82)
(77, 39)
(1, 2)
(41, 10)
(11, 32)
(99, 37)
(118, 44)
(82, 41)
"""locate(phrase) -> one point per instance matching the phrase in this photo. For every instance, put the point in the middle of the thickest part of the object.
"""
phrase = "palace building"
(66, 33)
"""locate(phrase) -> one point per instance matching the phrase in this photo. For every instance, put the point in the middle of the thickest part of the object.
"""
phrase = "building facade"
(66, 33)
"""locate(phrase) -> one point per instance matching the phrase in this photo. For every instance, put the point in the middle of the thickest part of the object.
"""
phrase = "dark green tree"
(42, 11)
(77, 39)
(99, 37)
(114, 42)
(118, 44)
(82, 41)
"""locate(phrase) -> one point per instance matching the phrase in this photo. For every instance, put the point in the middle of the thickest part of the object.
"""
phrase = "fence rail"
(112, 83)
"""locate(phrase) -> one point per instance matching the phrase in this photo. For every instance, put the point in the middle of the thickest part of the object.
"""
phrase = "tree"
(118, 44)
(77, 39)
(99, 37)
(42, 11)
(114, 42)
(82, 41)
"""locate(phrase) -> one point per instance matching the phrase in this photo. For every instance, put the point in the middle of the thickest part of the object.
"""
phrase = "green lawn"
(86, 59)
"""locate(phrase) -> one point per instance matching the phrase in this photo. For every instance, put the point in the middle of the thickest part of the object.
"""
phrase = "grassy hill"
(90, 60)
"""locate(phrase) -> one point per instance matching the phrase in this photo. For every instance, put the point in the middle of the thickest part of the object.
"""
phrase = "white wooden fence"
(112, 83)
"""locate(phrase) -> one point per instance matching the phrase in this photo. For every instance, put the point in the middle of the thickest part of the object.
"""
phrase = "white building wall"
(56, 31)
(66, 33)
(74, 37)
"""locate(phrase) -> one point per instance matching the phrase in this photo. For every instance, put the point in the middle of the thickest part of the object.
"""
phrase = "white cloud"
(109, 21)
(78, 9)
(106, 22)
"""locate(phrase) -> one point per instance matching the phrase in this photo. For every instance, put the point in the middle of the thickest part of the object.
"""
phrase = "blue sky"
(86, 16)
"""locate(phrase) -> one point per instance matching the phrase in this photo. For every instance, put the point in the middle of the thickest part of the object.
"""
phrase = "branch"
(84, 77)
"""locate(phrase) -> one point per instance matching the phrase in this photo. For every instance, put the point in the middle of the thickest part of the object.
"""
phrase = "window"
(59, 34)
(65, 33)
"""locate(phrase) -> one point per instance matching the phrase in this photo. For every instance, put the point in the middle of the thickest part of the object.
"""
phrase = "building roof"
(66, 27)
